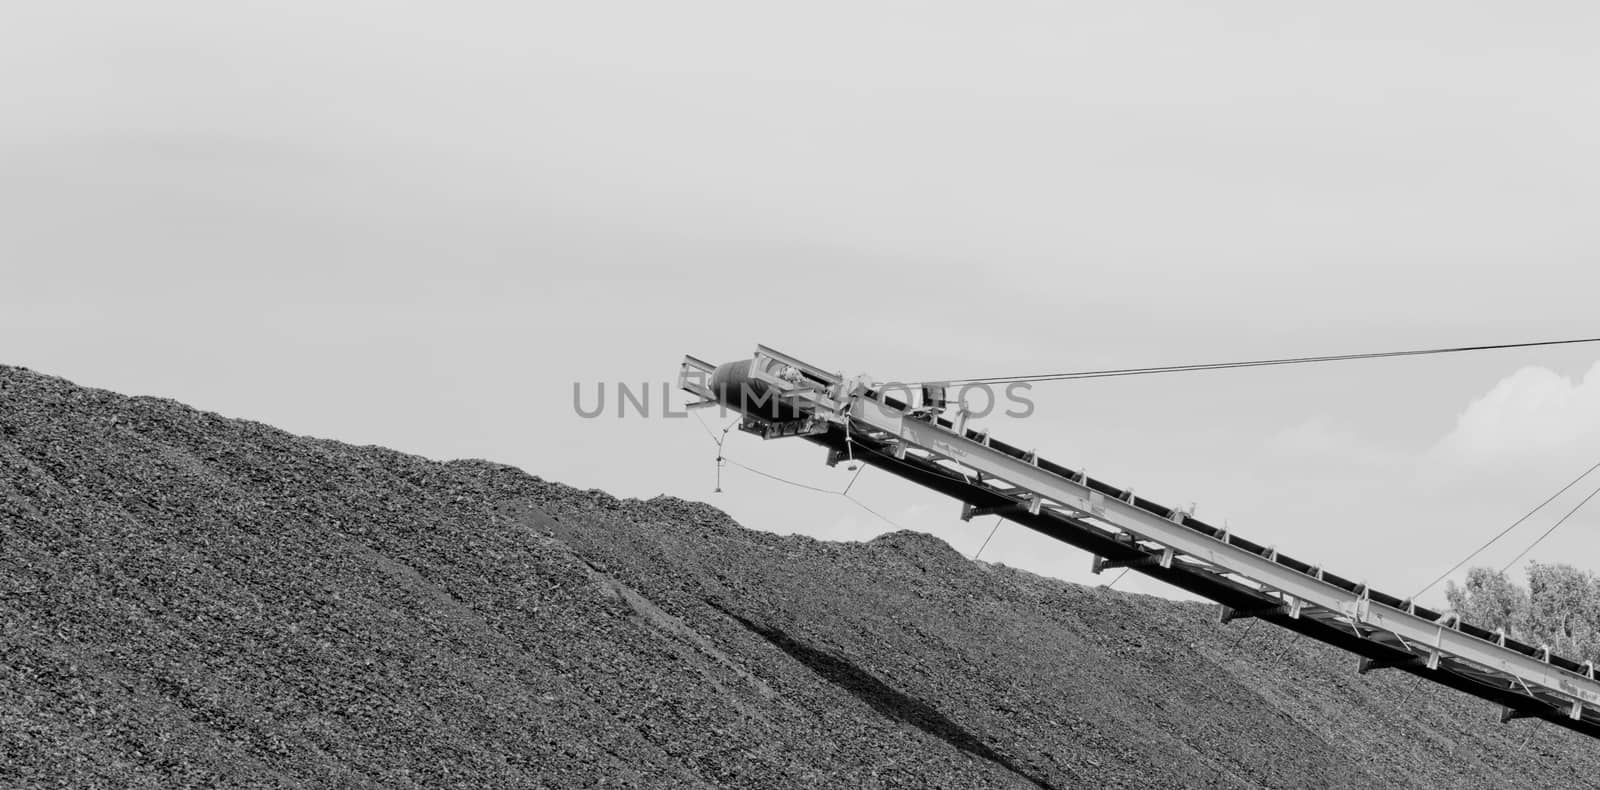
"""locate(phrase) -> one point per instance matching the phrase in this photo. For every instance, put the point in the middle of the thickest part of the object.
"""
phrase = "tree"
(1564, 609)
(1490, 600)
(1560, 607)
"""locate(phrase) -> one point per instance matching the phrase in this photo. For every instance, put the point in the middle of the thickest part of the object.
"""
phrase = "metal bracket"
(1507, 714)
(809, 426)
(1227, 614)
(1365, 665)
(1163, 559)
(970, 512)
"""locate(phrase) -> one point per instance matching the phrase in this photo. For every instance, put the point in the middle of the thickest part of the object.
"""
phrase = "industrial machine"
(911, 432)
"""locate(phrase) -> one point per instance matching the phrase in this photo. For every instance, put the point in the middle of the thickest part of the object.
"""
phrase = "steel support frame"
(1360, 609)
(1230, 593)
(1164, 547)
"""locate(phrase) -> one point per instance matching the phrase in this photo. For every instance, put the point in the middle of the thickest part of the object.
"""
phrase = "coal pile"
(193, 601)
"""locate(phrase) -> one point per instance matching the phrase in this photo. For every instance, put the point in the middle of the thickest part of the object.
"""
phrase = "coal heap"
(193, 601)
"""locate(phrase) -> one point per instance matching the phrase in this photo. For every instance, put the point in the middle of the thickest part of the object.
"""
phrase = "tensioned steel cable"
(993, 530)
(1507, 531)
(724, 459)
(1117, 372)
(1553, 527)
(1256, 363)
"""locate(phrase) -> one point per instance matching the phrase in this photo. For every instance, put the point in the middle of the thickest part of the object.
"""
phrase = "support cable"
(1255, 363)
(996, 528)
(1507, 531)
(1552, 528)
(722, 458)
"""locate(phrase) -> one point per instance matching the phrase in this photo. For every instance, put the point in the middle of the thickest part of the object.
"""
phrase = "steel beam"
(1122, 530)
(1359, 609)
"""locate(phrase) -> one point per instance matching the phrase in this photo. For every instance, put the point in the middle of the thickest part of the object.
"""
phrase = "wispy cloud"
(1534, 412)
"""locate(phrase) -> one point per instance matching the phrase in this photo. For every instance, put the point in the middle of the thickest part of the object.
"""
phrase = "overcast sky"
(418, 225)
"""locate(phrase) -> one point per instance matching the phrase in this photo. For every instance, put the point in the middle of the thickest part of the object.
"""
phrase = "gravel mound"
(193, 601)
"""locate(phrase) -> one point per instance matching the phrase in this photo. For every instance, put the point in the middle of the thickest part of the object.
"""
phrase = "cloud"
(1529, 429)
(1534, 412)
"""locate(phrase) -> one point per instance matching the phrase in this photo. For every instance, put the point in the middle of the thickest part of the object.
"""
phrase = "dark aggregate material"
(192, 601)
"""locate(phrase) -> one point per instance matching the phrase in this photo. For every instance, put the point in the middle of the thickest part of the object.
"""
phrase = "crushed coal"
(193, 601)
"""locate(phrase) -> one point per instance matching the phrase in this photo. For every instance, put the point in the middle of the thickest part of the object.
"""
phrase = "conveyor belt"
(854, 419)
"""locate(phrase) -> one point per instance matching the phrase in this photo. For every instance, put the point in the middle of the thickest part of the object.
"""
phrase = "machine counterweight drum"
(735, 388)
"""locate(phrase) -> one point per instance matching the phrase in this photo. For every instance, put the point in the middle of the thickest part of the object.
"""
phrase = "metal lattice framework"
(780, 396)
